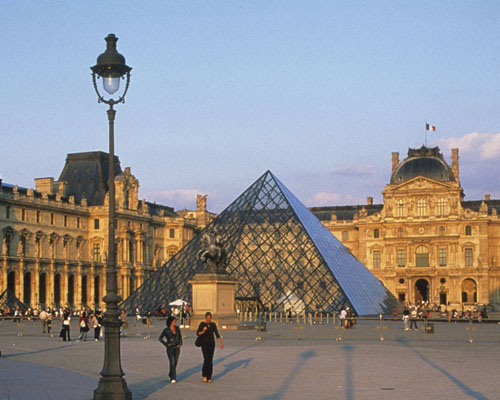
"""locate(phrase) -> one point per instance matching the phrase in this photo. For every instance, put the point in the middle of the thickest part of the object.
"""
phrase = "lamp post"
(111, 68)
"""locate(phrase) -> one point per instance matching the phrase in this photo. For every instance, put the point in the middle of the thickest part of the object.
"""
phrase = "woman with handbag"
(171, 338)
(206, 331)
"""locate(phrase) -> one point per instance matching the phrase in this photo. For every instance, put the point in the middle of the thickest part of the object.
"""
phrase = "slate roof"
(344, 213)
(87, 175)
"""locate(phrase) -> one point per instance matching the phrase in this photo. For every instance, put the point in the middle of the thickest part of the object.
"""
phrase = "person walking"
(206, 331)
(49, 324)
(171, 338)
(43, 318)
(413, 317)
(406, 317)
(96, 325)
(84, 326)
(66, 327)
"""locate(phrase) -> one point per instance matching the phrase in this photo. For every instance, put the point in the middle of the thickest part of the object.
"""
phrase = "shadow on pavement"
(280, 392)
(143, 389)
(349, 392)
(24, 353)
(466, 389)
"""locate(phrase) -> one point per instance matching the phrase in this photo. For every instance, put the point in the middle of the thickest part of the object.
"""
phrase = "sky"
(319, 92)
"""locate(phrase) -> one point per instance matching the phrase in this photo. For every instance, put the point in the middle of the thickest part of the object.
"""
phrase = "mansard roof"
(344, 213)
(86, 175)
(426, 162)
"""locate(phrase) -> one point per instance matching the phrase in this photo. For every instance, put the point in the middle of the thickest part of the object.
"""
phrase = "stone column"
(20, 281)
(78, 285)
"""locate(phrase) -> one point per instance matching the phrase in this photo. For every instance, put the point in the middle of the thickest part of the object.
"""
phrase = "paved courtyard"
(267, 365)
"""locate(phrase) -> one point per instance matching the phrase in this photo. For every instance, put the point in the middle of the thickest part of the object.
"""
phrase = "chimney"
(395, 159)
(369, 201)
(487, 197)
(454, 163)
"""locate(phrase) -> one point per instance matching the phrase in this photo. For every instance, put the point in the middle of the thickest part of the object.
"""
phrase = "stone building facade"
(54, 238)
(425, 242)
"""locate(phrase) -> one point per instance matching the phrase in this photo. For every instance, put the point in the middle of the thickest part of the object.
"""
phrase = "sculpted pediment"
(420, 183)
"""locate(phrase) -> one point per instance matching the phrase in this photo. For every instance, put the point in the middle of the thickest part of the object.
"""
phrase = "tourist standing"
(171, 338)
(206, 331)
(342, 317)
(49, 324)
(66, 327)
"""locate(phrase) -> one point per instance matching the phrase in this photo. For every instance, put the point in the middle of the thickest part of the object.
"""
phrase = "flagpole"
(425, 133)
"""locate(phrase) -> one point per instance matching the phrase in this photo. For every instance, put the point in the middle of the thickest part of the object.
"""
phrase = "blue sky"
(319, 92)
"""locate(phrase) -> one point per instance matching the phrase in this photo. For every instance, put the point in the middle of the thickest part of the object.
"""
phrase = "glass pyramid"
(280, 253)
(9, 300)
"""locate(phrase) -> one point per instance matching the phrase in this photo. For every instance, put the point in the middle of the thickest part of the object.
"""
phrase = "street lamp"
(111, 68)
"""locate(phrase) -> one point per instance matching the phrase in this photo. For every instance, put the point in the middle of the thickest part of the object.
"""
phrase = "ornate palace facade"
(54, 239)
(425, 242)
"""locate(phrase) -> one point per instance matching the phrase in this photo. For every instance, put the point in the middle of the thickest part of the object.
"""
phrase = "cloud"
(321, 199)
(473, 146)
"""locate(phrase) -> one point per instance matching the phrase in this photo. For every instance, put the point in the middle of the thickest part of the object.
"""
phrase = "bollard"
(281, 317)
(327, 317)
(321, 319)
(381, 327)
(340, 327)
(470, 329)
(310, 319)
(298, 328)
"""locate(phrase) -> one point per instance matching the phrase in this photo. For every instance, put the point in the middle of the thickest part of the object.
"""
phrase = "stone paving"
(265, 365)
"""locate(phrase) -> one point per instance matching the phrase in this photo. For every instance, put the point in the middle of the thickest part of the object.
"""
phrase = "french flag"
(429, 127)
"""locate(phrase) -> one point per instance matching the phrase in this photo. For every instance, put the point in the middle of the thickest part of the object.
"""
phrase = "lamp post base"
(112, 389)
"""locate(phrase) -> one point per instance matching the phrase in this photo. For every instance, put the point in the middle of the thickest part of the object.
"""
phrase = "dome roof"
(426, 162)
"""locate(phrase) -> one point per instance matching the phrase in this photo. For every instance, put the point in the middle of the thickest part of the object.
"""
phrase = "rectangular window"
(7, 212)
(401, 257)
(23, 214)
(172, 233)
(402, 297)
(376, 258)
(52, 218)
(96, 223)
(443, 257)
(468, 257)
(468, 230)
(345, 236)
(96, 252)
(38, 217)
(376, 233)
(65, 221)
(400, 232)
(78, 222)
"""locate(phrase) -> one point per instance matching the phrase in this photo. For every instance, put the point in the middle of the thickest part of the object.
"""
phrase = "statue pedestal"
(214, 293)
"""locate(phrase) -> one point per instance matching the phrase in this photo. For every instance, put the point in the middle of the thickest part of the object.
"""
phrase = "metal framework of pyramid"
(9, 300)
(280, 253)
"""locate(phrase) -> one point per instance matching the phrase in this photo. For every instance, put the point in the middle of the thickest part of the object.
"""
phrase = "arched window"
(422, 256)
(421, 208)
(442, 207)
(469, 291)
(400, 208)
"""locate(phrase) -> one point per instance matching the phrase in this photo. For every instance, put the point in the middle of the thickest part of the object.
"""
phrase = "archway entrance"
(42, 289)
(71, 290)
(11, 282)
(84, 289)
(57, 289)
(27, 289)
(469, 291)
(421, 291)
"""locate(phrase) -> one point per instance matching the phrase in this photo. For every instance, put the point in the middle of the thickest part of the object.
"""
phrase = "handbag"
(197, 342)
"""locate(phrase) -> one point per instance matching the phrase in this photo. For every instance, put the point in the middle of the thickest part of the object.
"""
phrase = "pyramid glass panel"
(280, 253)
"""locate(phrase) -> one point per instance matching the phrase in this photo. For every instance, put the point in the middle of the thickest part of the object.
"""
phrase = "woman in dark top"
(171, 338)
(206, 331)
